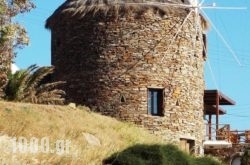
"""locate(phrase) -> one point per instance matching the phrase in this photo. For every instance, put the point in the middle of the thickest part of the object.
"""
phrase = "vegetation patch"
(33, 85)
(92, 138)
(157, 154)
(52, 123)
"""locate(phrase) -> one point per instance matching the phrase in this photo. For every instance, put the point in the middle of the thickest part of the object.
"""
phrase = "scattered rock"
(72, 105)
(91, 139)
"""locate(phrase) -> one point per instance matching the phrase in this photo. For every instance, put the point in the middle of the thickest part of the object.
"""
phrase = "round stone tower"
(136, 61)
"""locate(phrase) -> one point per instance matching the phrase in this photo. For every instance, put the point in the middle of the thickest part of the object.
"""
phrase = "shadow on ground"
(142, 154)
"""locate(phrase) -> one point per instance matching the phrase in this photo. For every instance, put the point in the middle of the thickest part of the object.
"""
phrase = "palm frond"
(22, 78)
(38, 75)
(29, 86)
(16, 84)
(51, 97)
(49, 86)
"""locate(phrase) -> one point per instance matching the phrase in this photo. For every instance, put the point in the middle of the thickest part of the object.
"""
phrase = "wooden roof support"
(212, 101)
(217, 110)
(210, 98)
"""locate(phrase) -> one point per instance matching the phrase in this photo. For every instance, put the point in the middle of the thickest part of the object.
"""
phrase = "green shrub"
(142, 154)
(31, 85)
(206, 160)
(246, 157)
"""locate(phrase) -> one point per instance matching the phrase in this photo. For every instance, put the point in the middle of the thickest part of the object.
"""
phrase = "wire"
(212, 74)
(176, 34)
(223, 39)
(237, 115)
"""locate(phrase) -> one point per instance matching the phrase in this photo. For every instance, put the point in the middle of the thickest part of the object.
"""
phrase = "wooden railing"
(224, 133)
(242, 136)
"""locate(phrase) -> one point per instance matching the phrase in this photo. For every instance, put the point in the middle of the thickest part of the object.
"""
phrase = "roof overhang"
(210, 98)
(211, 110)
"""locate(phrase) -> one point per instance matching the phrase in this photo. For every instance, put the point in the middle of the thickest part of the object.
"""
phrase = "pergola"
(212, 101)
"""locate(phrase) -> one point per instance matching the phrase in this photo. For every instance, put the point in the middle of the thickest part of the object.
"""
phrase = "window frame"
(155, 101)
(204, 47)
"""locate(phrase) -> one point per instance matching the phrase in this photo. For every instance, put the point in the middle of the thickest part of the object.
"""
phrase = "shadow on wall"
(142, 154)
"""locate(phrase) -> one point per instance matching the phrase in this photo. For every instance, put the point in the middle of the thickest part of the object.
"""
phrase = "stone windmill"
(136, 60)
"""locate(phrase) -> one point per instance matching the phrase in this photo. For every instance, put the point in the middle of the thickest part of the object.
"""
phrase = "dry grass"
(115, 8)
(64, 123)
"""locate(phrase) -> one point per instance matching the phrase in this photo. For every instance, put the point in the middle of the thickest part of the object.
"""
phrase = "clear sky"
(227, 67)
(229, 59)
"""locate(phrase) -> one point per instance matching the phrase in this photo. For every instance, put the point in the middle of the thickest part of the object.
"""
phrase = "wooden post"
(210, 126)
(217, 110)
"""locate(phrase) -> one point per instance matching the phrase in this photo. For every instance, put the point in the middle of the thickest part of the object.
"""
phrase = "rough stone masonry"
(112, 62)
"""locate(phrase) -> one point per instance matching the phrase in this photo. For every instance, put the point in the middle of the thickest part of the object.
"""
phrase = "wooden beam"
(217, 110)
(210, 127)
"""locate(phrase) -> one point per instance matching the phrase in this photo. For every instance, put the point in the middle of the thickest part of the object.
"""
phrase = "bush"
(30, 85)
(205, 161)
(142, 154)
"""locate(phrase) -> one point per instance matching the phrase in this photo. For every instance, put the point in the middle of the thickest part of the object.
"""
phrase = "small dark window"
(204, 38)
(155, 102)
(123, 99)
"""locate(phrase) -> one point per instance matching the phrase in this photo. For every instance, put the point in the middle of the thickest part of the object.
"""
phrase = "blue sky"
(222, 70)
(230, 76)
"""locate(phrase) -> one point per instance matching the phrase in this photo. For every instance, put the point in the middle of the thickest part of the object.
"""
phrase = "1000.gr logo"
(43, 145)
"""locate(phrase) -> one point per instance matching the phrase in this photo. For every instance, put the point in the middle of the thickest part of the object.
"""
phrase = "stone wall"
(110, 62)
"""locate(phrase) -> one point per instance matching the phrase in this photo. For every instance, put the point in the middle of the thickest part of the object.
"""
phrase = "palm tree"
(29, 85)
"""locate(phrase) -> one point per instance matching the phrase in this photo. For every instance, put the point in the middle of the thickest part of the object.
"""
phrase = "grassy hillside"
(42, 134)
(93, 137)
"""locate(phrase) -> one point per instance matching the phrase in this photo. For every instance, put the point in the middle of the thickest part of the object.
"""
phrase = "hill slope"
(62, 135)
